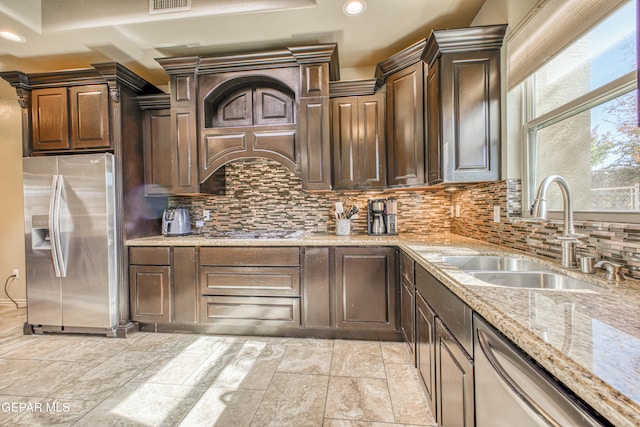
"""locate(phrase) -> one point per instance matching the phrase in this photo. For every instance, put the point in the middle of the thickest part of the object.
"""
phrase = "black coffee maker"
(381, 217)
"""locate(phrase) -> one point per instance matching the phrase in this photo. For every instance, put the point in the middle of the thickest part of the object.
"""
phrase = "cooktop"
(255, 234)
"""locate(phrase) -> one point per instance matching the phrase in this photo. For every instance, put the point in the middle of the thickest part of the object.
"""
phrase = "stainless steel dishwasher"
(511, 390)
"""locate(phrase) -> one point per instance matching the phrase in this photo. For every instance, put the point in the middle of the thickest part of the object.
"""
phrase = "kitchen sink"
(516, 273)
(533, 280)
(493, 263)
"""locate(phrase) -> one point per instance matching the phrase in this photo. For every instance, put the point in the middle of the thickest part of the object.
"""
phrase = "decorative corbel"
(24, 97)
(114, 91)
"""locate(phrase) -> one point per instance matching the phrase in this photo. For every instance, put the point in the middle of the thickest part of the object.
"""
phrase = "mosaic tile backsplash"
(261, 194)
(264, 195)
(617, 242)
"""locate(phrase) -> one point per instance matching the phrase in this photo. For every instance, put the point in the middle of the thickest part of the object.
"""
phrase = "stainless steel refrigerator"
(70, 241)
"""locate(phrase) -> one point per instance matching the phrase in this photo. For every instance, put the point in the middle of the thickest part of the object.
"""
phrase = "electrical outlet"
(16, 272)
(206, 214)
(496, 213)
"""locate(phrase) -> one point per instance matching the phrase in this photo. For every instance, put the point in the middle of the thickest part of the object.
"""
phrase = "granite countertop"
(589, 340)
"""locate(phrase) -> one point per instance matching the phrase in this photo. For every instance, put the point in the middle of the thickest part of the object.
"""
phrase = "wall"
(618, 242)
(11, 226)
(264, 195)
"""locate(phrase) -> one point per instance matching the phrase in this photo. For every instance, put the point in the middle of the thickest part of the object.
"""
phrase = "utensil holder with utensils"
(343, 218)
(343, 227)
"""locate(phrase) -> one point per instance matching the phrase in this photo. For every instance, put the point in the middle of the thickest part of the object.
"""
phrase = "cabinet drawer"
(250, 311)
(258, 281)
(250, 256)
(150, 255)
(407, 269)
(455, 314)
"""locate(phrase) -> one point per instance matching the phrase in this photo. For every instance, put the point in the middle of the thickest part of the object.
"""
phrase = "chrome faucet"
(569, 238)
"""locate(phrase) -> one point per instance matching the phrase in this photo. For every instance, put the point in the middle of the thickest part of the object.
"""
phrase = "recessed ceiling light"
(354, 7)
(12, 36)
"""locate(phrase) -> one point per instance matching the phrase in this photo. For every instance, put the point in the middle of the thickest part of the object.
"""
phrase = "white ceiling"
(63, 34)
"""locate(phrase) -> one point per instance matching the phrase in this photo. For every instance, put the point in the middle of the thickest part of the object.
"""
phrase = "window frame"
(530, 125)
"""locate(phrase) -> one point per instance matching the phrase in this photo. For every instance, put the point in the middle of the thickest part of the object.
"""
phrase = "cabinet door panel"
(345, 142)
(157, 152)
(366, 288)
(426, 349)
(432, 113)
(50, 119)
(185, 272)
(316, 295)
(405, 142)
(470, 96)
(89, 116)
(235, 110)
(184, 143)
(407, 313)
(150, 298)
(372, 141)
(455, 381)
(273, 107)
(471, 114)
(315, 147)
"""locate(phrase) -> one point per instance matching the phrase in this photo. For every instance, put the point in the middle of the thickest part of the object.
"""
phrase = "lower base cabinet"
(149, 288)
(454, 376)
(349, 292)
(250, 286)
(426, 349)
(443, 328)
(365, 280)
(162, 284)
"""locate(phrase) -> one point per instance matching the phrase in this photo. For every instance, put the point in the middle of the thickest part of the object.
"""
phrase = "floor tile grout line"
(266, 388)
(326, 397)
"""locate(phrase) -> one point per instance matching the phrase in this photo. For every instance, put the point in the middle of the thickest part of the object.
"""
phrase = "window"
(579, 112)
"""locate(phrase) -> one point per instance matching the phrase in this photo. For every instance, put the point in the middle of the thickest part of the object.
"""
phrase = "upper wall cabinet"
(270, 104)
(403, 74)
(462, 104)
(74, 110)
(357, 135)
(70, 118)
(156, 139)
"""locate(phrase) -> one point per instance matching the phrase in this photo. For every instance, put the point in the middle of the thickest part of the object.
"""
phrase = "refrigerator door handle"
(52, 221)
(54, 226)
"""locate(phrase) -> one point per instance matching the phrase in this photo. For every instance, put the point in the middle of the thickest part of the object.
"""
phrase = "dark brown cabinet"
(317, 309)
(162, 284)
(405, 126)
(462, 99)
(455, 397)
(444, 343)
(273, 105)
(74, 118)
(358, 139)
(366, 288)
(426, 349)
(157, 152)
(407, 300)
(149, 284)
(250, 286)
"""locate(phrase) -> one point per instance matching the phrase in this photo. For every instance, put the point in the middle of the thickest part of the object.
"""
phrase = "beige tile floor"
(202, 380)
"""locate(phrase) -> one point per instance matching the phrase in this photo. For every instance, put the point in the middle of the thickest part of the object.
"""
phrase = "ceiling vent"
(168, 6)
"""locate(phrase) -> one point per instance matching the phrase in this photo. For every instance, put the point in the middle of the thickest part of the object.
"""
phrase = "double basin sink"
(517, 273)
